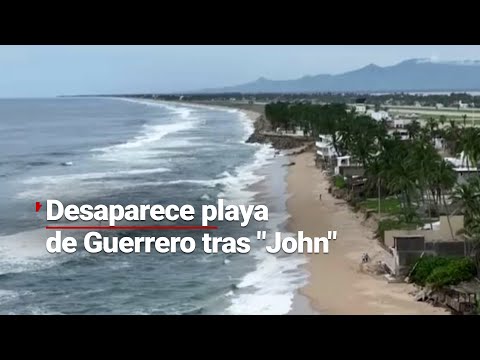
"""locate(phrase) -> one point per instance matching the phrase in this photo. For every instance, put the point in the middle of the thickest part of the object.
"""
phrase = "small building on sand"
(407, 246)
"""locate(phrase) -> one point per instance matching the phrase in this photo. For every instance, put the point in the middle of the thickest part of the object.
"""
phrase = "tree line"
(411, 170)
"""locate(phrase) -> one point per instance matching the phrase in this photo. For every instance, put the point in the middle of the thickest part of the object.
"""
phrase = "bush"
(425, 266)
(453, 273)
(440, 271)
(340, 182)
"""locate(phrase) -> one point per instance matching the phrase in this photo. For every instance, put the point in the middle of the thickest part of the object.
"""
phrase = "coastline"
(337, 284)
(350, 291)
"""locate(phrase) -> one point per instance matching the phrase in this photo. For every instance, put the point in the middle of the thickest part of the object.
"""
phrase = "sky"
(44, 71)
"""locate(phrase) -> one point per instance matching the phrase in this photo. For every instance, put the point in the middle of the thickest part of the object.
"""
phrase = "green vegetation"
(378, 101)
(339, 182)
(414, 181)
(389, 206)
(439, 271)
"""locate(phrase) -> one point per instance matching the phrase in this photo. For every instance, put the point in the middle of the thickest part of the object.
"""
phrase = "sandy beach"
(337, 284)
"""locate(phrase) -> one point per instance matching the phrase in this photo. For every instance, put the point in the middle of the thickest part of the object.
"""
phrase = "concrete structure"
(325, 149)
(342, 161)
(407, 246)
(298, 131)
(352, 171)
(462, 167)
(440, 232)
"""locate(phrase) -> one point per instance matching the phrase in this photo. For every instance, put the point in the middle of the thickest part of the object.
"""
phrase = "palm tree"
(467, 195)
(470, 145)
(452, 138)
(413, 129)
(432, 126)
(442, 120)
(442, 179)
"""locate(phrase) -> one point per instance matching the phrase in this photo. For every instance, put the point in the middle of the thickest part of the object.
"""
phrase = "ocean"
(125, 151)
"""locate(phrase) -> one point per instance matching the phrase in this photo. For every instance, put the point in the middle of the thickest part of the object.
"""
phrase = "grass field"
(387, 206)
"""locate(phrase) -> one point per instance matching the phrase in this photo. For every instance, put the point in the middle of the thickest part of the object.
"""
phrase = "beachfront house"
(462, 167)
(407, 246)
(342, 161)
(324, 146)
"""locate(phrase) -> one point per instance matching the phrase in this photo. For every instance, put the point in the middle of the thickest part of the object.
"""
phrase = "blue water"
(135, 152)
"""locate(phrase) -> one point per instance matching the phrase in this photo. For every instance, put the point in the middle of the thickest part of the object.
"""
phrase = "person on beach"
(320, 197)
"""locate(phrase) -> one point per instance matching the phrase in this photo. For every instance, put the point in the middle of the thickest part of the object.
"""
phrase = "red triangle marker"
(38, 206)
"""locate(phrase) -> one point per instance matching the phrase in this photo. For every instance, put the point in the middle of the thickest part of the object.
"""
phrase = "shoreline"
(352, 290)
(338, 285)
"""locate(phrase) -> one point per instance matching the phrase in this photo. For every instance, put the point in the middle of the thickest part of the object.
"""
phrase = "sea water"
(125, 151)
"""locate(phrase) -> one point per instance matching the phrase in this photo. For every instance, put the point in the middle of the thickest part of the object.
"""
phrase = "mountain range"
(407, 76)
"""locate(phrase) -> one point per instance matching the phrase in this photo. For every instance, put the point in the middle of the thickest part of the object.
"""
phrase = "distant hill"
(410, 75)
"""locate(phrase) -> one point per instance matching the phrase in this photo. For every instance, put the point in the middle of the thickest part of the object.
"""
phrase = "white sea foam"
(151, 140)
(236, 186)
(146, 145)
(271, 287)
(8, 295)
(92, 176)
(85, 184)
(25, 251)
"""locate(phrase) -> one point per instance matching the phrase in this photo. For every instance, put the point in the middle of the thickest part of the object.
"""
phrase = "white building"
(360, 108)
(378, 115)
(400, 123)
(399, 132)
(342, 161)
(462, 167)
(298, 131)
(325, 147)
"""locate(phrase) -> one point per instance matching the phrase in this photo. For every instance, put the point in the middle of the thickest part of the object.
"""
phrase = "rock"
(421, 296)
